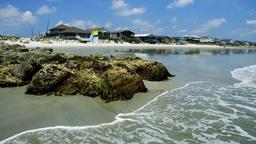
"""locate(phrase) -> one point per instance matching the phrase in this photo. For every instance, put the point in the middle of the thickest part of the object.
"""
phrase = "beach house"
(179, 40)
(103, 33)
(164, 39)
(226, 42)
(146, 38)
(66, 32)
(122, 35)
(194, 39)
(207, 40)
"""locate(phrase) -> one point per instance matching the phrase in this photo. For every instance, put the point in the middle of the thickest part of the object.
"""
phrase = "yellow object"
(95, 32)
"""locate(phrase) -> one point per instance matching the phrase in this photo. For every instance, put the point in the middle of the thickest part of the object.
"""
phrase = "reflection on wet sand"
(192, 51)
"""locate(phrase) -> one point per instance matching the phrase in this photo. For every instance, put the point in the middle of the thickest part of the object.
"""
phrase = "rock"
(84, 82)
(7, 79)
(26, 70)
(47, 79)
(111, 78)
(147, 70)
(151, 71)
(118, 83)
(24, 50)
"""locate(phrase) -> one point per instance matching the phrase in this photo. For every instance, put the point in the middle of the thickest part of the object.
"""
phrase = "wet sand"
(20, 112)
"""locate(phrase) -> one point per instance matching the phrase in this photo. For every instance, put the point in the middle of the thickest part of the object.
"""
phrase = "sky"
(234, 19)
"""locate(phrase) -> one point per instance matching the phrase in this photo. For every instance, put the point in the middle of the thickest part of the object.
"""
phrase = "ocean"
(214, 102)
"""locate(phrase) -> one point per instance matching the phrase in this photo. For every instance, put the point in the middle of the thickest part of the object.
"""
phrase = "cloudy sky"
(222, 18)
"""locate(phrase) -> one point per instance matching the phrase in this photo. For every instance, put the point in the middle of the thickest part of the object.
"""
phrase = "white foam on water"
(246, 75)
(118, 118)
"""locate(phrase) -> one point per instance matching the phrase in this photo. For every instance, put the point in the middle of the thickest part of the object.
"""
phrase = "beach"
(125, 45)
(22, 112)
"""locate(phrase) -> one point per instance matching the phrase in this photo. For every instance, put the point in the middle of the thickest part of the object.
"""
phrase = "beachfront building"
(122, 35)
(164, 39)
(207, 40)
(194, 39)
(226, 42)
(179, 40)
(66, 32)
(146, 38)
(103, 33)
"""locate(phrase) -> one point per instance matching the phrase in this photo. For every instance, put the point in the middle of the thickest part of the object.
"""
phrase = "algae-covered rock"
(152, 71)
(119, 83)
(115, 83)
(7, 79)
(26, 70)
(111, 78)
(47, 79)
(146, 69)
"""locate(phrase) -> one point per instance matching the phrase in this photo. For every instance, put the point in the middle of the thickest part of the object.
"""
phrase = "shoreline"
(75, 44)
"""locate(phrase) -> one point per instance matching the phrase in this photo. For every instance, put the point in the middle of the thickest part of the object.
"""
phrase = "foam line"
(247, 75)
(117, 118)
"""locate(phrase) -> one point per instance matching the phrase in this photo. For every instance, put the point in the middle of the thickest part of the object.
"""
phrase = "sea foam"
(246, 75)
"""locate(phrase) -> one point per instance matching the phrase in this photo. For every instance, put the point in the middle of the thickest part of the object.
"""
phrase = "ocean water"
(217, 104)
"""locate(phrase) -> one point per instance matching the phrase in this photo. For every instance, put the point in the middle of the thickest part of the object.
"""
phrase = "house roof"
(68, 29)
(124, 30)
(144, 35)
(61, 26)
(73, 30)
(100, 29)
(162, 37)
(192, 36)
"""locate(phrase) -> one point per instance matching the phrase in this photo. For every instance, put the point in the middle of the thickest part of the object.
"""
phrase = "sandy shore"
(76, 44)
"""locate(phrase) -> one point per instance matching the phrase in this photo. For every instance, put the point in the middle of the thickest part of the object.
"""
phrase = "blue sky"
(221, 18)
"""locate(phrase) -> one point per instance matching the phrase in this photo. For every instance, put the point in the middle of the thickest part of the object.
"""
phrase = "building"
(104, 34)
(164, 39)
(226, 42)
(179, 40)
(192, 39)
(146, 38)
(123, 35)
(207, 40)
(66, 32)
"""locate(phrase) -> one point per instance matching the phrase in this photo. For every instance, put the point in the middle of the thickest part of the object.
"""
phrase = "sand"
(76, 44)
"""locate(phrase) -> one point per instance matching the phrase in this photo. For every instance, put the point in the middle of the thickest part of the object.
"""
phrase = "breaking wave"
(199, 112)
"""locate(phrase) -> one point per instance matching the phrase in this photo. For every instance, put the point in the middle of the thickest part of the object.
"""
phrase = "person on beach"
(94, 35)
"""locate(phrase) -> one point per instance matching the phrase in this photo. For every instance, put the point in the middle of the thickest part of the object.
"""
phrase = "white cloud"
(182, 31)
(27, 17)
(251, 22)
(77, 23)
(179, 3)
(10, 16)
(213, 23)
(174, 20)
(144, 26)
(141, 22)
(119, 4)
(44, 9)
(61, 22)
(244, 32)
(122, 8)
(129, 12)
(108, 25)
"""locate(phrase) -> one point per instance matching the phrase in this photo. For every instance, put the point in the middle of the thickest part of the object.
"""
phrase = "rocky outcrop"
(47, 79)
(7, 79)
(45, 72)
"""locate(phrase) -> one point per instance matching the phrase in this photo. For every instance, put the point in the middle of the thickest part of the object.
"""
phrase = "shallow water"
(218, 109)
